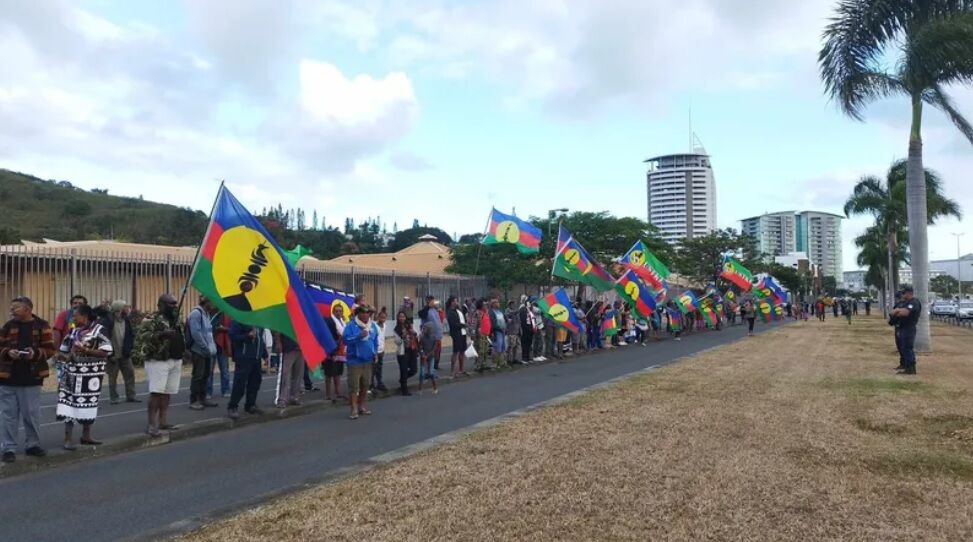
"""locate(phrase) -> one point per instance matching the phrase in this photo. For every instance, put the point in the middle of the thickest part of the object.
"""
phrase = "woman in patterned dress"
(87, 349)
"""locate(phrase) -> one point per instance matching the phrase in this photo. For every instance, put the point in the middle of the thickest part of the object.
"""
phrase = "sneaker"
(294, 402)
(255, 411)
(208, 403)
(9, 457)
(537, 359)
(35, 451)
(115, 401)
(232, 413)
(133, 400)
(196, 406)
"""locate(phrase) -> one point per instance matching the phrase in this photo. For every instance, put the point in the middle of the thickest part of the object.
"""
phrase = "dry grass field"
(801, 433)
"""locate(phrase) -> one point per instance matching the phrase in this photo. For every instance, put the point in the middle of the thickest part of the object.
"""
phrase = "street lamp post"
(550, 218)
(550, 222)
(959, 270)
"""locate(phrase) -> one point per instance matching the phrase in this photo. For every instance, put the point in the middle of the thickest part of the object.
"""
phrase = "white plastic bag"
(470, 352)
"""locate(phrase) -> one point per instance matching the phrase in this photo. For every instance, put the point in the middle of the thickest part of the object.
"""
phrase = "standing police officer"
(906, 314)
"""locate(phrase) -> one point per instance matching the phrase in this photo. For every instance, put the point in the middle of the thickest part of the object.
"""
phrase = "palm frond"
(853, 43)
(937, 98)
(940, 51)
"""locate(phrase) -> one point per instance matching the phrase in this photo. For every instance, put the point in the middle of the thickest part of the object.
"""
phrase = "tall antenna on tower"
(690, 128)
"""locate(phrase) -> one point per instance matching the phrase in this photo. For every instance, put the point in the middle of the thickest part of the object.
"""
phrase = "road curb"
(186, 526)
(134, 442)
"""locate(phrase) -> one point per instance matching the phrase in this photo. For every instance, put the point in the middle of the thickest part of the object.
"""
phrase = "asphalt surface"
(131, 418)
(139, 493)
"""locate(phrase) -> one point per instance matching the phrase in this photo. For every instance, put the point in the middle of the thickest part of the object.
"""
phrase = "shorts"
(333, 368)
(459, 343)
(163, 376)
(359, 377)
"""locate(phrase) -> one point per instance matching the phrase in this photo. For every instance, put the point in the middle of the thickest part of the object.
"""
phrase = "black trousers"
(246, 380)
(407, 367)
(898, 346)
(907, 352)
(377, 371)
(202, 368)
(526, 345)
(750, 322)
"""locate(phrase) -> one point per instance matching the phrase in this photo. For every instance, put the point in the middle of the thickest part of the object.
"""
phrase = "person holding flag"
(508, 229)
(640, 260)
(558, 308)
(572, 262)
(245, 274)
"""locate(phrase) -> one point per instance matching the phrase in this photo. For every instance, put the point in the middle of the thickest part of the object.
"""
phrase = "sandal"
(353, 417)
(365, 412)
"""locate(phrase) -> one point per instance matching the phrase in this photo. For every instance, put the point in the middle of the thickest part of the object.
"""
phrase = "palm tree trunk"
(915, 188)
(893, 264)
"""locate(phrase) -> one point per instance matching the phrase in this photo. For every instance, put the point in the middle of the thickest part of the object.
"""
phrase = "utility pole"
(959, 269)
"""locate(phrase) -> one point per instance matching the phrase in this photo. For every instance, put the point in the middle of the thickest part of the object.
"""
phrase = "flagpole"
(209, 224)
(479, 250)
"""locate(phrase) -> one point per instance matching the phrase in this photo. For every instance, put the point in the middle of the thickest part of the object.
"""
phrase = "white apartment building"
(682, 195)
(776, 233)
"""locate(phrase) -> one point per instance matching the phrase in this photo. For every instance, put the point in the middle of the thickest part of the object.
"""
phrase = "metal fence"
(953, 320)
(50, 276)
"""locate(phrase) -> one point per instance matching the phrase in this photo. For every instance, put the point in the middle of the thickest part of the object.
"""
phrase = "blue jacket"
(201, 333)
(359, 350)
(245, 347)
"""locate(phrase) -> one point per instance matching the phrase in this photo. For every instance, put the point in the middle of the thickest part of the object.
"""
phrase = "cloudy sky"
(436, 110)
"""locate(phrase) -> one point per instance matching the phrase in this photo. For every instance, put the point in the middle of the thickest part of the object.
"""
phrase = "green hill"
(34, 208)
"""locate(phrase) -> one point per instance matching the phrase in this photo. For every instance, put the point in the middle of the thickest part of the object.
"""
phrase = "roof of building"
(426, 256)
(823, 213)
(966, 257)
(107, 247)
(677, 155)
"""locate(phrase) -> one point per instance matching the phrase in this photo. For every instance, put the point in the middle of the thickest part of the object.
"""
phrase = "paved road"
(131, 418)
(138, 493)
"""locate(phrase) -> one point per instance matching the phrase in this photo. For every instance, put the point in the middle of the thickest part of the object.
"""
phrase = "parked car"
(943, 308)
(965, 310)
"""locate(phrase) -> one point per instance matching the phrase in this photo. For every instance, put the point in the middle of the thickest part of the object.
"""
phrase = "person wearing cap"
(907, 312)
(361, 346)
(26, 343)
(122, 334)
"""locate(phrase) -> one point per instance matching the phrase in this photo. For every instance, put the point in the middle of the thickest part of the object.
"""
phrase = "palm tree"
(934, 41)
(874, 256)
(886, 201)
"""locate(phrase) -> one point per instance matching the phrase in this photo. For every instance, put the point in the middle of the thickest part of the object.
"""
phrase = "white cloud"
(123, 106)
(331, 97)
(579, 55)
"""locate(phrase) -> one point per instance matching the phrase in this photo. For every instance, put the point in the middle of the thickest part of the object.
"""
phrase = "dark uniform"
(896, 321)
(907, 334)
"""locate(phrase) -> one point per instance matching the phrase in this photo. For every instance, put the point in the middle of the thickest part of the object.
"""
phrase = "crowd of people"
(87, 343)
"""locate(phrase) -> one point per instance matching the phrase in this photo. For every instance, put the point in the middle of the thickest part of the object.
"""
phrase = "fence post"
(168, 273)
(394, 296)
(74, 271)
(352, 280)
